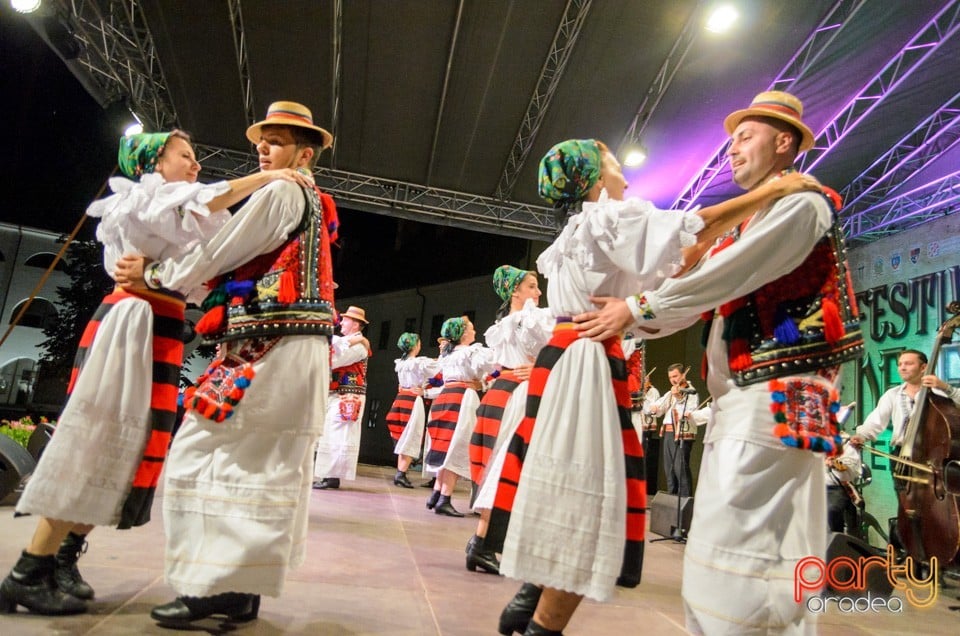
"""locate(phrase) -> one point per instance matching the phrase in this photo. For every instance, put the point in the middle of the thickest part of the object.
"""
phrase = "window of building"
(435, 324)
(384, 335)
(43, 260)
(40, 314)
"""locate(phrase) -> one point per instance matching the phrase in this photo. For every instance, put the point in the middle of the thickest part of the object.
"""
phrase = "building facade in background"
(25, 255)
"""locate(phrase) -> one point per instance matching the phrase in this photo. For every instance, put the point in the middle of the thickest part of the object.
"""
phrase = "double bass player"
(898, 403)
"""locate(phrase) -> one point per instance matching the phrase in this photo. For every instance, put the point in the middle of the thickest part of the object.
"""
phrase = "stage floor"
(379, 563)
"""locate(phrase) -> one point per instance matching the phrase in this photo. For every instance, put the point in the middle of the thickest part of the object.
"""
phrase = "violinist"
(844, 501)
(676, 432)
(898, 403)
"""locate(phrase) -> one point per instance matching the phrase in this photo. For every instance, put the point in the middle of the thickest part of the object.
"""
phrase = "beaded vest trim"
(305, 257)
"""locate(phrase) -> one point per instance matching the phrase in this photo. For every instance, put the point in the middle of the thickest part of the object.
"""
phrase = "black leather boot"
(327, 483)
(30, 583)
(444, 507)
(536, 629)
(519, 611)
(236, 607)
(479, 557)
(66, 573)
(472, 544)
(432, 501)
(400, 479)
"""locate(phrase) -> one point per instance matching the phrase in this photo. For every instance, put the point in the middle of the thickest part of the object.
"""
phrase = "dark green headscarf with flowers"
(407, 342)
(139, 153)
(452, 329)
(569, 170)
(505, 281)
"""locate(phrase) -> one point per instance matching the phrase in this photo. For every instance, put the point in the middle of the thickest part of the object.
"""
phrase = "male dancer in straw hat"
(237, 489)
(339, 446)
(761, 503)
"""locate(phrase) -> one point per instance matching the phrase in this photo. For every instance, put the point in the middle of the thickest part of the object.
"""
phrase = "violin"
(925, 475)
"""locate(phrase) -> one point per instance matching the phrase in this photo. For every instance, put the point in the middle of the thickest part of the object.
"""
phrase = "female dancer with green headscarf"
(102, 466)
(463, 363)
(569, 510)
(407, 415)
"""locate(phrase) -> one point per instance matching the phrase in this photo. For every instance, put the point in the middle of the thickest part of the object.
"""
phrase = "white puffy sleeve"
(425, 368)
(262, 225)
(480, 360)
(635, 236)
(536, 328)
(154, 218)
(343, 353)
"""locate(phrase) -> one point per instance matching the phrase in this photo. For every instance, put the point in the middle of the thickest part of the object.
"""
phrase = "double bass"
(927, 474)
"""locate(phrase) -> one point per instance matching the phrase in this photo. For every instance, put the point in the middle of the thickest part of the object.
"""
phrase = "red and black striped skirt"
(400, 412)
(489, 416)
(167, 349)
(563, 337)
(444, 413)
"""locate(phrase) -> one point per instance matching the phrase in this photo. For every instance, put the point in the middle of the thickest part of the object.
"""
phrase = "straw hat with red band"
(288, 114)
(357, 314)
(776, 104)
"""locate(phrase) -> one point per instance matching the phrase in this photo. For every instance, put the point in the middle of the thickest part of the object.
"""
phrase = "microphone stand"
(679, 534)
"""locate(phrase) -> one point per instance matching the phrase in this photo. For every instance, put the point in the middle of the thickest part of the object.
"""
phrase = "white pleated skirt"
(412, 437)
(87, 469)
(568, 524)
(236, 493)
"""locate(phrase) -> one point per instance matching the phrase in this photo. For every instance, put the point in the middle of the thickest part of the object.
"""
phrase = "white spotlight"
(722, 18)
(635, 156)
(25, 6)
(133, 129)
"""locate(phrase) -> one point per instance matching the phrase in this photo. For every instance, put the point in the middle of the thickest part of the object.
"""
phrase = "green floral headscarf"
(506, 279)
(569, 170)
(139, 153)
(453, 328)
(407, 342)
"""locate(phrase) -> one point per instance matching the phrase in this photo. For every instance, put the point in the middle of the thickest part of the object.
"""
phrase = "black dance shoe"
(31, 584)
(518, 614)
(236, 607)
(327, 483)
(429, 484)
(432, 501)
(485, 560)
(401, 480)
(444, 507)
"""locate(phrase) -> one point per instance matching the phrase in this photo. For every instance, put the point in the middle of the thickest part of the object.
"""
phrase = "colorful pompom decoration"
(805, 413)
(213, 321)
(219, 390)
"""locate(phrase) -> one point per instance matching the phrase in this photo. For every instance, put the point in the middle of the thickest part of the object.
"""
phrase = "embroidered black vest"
(288, 291)
(803, 321)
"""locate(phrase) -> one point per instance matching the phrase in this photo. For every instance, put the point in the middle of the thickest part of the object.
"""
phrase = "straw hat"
(288, 114)
(776, 104)
(357, 314)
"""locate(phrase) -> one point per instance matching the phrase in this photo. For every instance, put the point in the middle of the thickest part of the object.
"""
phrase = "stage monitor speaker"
(843, 545)
(16, 464)
(663, 514)
(39, 439)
